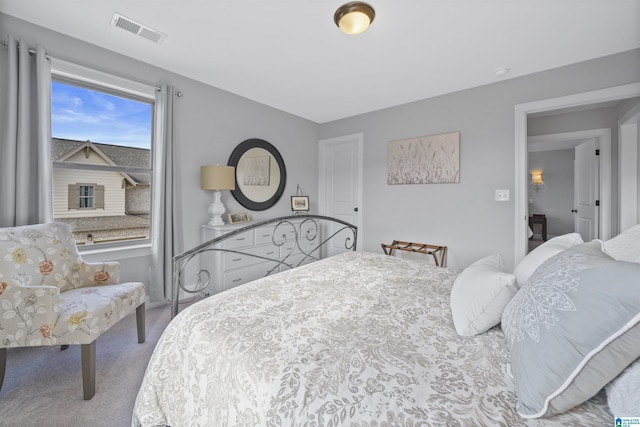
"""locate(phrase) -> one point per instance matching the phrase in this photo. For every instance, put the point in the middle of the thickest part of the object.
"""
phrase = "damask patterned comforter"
(358, 339)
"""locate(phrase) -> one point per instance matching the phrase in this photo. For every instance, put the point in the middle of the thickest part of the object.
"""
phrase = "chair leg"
(140, 322)
(3, 364)
(88, 355)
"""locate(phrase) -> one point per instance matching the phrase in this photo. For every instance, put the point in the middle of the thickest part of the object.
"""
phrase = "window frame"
(80, 76)
(90, 197)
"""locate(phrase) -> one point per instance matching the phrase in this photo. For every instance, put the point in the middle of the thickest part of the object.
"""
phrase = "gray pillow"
(572, 328)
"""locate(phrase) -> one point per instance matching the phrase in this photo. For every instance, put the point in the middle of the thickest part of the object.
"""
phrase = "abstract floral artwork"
(257, 170)
(430, 159)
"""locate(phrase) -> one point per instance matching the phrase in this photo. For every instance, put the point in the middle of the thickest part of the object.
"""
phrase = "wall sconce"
(536, 179)
(217, 178)
(354, 17)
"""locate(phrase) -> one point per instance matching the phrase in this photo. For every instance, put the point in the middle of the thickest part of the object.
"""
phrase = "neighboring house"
(101, 206)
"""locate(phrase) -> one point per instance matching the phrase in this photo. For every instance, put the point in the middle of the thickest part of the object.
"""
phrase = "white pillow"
(479, 295)
(623, 394)
(536, 257)
(625, 246)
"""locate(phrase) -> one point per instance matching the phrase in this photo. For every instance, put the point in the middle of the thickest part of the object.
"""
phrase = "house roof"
(106, 222)
(114, 154)
(290, 55)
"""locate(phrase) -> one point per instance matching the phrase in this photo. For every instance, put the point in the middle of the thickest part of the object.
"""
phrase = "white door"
(586, 180)
(340, 186)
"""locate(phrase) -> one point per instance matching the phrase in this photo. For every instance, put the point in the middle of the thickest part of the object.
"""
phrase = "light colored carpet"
(43, 385)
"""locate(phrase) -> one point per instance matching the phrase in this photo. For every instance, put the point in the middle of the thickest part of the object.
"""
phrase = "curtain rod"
(33, 51)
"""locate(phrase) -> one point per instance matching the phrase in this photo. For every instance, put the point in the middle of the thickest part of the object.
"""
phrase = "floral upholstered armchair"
(50, 296)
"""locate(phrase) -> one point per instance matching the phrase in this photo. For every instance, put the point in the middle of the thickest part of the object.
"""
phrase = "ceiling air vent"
(137, 28)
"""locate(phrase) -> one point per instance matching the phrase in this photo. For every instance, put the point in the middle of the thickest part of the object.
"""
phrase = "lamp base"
(216, 209)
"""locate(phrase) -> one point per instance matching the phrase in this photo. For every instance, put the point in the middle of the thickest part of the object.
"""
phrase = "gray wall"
(464, 216)
(209, 123)
(555, 199)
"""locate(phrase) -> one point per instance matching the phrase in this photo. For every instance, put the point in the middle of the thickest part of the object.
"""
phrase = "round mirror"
(260, 174)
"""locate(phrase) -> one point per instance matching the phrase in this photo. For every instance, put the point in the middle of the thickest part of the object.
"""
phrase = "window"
(102, 139)
(86, 196)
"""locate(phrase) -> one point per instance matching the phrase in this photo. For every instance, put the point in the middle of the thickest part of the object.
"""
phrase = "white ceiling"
(290, 55)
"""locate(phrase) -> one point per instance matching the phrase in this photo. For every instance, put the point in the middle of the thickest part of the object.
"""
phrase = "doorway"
(629, 165)
(521, 182)
(567, 215)
(340, 183)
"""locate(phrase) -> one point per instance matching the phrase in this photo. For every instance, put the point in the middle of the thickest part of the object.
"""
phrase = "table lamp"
(217, 178)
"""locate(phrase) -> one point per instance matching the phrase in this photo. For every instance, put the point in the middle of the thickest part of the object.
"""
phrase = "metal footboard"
(323, 232)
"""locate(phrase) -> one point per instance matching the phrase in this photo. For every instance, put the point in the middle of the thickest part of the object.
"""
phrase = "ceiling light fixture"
(354, 17)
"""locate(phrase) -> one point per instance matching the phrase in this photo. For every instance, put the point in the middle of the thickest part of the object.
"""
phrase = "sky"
(83, 114)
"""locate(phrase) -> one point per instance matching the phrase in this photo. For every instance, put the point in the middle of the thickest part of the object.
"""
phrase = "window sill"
(116, 253)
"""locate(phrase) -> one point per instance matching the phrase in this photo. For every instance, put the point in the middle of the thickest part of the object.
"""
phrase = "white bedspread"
(358, 339)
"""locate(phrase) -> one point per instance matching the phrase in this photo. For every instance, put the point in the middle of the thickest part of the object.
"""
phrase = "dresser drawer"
(264, 235)
(296, 260)
(304, 244)
(241, 240)
(295, 255)
(232, 261)
(244, 275)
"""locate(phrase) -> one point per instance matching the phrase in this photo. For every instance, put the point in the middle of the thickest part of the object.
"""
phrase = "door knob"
(355, 209)
(574, 210)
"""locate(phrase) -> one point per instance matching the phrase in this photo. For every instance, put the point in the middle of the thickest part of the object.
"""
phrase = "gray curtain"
(164, 233)
(25, 149)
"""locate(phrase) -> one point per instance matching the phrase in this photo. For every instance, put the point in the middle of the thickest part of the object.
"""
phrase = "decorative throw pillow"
(572, 328)
(625, 246)
(479, 295)
(623, 393)
(536, 257)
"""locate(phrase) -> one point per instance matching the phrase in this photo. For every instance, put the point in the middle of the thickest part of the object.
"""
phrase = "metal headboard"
(312, 226)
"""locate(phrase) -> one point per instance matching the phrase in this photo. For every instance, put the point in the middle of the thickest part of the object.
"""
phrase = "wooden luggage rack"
(438, 253)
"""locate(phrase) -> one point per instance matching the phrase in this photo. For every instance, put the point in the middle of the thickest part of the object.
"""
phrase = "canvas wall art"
(257, 170)
(432, 159)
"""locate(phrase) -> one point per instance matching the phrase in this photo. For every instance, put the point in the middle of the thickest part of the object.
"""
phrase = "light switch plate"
(502, 195)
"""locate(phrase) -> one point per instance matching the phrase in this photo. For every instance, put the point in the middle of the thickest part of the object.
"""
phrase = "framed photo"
(299, 203)
(238, 218)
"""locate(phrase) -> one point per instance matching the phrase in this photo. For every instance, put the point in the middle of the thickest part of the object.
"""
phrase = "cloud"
(83, 114)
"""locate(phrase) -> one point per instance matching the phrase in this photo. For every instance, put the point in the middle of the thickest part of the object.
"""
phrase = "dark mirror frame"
(237, 154)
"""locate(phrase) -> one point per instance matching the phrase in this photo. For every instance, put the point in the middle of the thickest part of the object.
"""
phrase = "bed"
(359, 339)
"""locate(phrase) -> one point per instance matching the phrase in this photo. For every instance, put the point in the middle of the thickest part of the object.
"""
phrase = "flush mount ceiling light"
(354, 17)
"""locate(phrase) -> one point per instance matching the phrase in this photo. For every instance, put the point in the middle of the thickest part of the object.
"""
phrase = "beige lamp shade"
(217, 178)
(536, 177)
